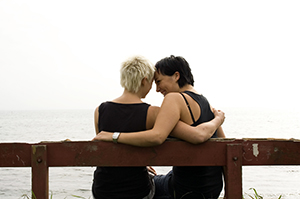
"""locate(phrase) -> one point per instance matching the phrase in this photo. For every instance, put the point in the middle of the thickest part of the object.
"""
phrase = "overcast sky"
(67, 54)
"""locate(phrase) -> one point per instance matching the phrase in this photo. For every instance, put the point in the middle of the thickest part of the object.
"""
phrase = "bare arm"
(220, 132)
(167, 119)
(200, 133)
(96, 117)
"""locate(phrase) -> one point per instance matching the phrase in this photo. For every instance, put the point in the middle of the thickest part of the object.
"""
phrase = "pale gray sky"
(67, 54)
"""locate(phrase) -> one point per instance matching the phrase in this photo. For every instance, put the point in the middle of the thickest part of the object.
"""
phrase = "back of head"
(133, 70)
(170, 65)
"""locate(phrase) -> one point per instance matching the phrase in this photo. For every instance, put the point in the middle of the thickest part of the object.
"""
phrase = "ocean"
(78, 125)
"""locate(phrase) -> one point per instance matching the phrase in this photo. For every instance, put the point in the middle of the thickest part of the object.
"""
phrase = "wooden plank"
(271, 152)
(109, 154)
(15, 155)
(255, 152)
(39, 172)
(233, 172)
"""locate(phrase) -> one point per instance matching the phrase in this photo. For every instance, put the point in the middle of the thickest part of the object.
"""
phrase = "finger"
(150, 169)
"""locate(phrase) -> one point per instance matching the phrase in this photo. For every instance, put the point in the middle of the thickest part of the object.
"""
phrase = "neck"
(187, 87)
(128, 97)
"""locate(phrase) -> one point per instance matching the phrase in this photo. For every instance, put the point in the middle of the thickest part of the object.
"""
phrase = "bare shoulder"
(173, 97)
(153, 109)
(96, 117)
(153, 112)
(96, 111)
(151, 116)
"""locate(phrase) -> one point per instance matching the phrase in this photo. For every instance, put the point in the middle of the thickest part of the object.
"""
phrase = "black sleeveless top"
(121, 182)
(200, 182)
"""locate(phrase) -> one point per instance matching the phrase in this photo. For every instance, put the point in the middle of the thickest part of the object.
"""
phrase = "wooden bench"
(230, 153)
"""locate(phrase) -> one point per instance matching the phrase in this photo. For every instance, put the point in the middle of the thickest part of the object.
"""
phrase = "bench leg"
(39, 172)
(233, 172)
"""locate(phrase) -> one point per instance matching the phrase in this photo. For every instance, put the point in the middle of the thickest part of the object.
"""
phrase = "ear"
(176, 76)
(143, 81)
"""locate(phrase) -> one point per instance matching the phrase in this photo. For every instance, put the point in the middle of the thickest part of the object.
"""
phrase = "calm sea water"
(77, 125)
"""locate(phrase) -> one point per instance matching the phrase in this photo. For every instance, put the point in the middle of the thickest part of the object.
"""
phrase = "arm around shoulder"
(200, 133)
(167, 118)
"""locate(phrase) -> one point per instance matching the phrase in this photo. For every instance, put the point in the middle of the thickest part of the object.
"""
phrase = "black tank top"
(121, 182)
(197, 182)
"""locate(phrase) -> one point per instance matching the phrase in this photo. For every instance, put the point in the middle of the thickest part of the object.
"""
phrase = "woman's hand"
(151, 170)
(103, 136)
(219, 115)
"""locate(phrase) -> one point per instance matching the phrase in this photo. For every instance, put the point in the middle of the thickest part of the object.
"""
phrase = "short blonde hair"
(133, 70)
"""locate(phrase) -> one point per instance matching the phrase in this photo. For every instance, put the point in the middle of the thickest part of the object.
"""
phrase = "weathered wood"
(108, 154)
(212, 152)
(231, 153)
(15, 155)
(271, 152)
(233, 171)
(39, 172)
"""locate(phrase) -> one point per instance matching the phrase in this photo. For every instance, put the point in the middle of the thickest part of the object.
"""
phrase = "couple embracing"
(184, 114)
